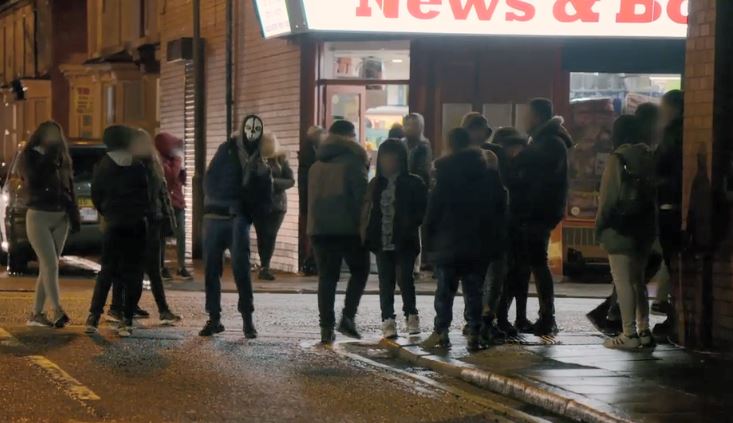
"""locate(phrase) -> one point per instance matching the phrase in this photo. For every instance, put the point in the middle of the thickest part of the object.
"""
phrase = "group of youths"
(481, 215)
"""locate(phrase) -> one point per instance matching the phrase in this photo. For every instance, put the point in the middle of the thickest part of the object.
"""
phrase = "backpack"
(637, 193)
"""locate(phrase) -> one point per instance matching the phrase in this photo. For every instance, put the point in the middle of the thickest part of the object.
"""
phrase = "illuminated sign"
(274, 17)
(552, 18)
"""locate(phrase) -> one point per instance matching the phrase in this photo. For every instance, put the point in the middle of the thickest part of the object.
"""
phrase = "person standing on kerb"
(337, 183)
(238, 184)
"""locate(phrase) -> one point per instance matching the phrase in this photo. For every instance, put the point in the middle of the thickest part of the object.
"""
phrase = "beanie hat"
(118, 137)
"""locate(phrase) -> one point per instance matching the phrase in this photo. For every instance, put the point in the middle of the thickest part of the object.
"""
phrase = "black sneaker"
(524, 326)
(169, 318)
(61, 321)
(491, 335)
(141, 314)
(249, 327)
(184, 274)
(166, 275)
(663, 308)
(614, 327)
(348, 327)
(437, 340)
(663, 331)
(545, 327)
(647, 339)
(266, 275)
(92, 324)
(327, 336)
(472, 343)
(599, 321)
(114, 316)
(507, 328)
(211, 328)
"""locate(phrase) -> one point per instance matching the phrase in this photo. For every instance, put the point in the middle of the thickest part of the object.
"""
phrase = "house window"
(134, 107)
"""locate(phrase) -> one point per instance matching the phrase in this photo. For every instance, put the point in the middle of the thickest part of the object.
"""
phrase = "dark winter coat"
(282, 180)
(420, 159)
(306, 159)
(466, 210)
(44, 186)
(161, 209)
(410, 201)
(120, 193)
(337, 184)
(542, 191)
(500, 156)
(669, 165)
(226, 190)
(175, 174)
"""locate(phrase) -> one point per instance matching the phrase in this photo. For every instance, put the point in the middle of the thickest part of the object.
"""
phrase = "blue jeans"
(220, 235)
(472, 277)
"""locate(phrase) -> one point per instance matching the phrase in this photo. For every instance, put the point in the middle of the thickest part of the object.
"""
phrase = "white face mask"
(252, 128)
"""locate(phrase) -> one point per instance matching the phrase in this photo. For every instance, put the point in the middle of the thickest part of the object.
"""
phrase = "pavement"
(574, 376)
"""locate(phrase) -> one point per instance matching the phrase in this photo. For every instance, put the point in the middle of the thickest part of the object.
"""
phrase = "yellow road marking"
(8, 340)
(73, 387)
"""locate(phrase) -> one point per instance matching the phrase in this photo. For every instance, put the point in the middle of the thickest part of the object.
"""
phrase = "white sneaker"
(623, 342)
(124, 331)
(389, 329)
(413, 324)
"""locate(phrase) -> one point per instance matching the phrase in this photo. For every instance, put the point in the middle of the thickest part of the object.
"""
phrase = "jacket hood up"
(337, 146)
(166, 143)
(553, 128)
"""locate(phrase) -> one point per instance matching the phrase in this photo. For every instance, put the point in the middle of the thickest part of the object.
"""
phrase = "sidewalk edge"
(513, 387)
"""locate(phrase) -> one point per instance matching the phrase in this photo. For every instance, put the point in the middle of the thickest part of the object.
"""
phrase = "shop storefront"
(375, 61)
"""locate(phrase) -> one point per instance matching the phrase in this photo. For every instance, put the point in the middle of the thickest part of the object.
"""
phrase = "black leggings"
(267, 226)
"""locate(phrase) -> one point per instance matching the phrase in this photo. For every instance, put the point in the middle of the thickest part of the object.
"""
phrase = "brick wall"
(266, 82)
(705, 282)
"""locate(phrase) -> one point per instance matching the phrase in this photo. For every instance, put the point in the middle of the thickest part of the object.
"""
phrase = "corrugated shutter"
(188, 148)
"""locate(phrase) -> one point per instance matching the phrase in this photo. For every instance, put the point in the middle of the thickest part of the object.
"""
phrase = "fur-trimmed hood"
(553, 128)
(337, 146)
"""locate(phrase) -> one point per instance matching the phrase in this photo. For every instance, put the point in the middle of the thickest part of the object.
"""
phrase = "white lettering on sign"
(553, 18)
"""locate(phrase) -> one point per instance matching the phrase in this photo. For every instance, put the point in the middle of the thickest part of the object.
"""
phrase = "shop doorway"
(346, 102)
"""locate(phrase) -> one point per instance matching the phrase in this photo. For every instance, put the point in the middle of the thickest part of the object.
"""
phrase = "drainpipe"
(199, 131)
(229, 66)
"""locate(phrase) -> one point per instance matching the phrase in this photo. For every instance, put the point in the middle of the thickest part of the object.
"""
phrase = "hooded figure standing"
(420, 154)
(393, 212)
(120, 194)
(543, 169)
(238, 185)
(465, 209)
(337, 183)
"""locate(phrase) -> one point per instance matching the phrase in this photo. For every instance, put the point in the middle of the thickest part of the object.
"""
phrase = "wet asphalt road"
(170, 374)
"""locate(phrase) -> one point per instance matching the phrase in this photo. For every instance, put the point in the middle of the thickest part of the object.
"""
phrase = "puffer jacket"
(175, 174)
(466, 210)
(542, 191)
(337, 183)
(282, 180)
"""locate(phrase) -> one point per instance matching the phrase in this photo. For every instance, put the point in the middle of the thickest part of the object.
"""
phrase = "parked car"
(14, 245)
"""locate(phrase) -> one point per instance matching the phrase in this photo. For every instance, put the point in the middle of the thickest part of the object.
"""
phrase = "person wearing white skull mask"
(237, 185)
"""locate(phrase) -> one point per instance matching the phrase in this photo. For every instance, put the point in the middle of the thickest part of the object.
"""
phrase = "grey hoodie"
(337, 183)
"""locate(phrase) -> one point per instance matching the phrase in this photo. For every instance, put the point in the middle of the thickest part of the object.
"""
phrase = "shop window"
(596, 100)
(366, 60)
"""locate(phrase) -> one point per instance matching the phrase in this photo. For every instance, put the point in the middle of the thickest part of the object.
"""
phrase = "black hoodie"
(542, 168)
(466, 210)
(409, 203)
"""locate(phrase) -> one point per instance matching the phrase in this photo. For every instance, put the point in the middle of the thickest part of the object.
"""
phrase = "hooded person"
(465, 209)
(235, 188)
(543, 167)
(170, 151)
(393, 211)
(337, 183)
(420, 153)
(120, 194)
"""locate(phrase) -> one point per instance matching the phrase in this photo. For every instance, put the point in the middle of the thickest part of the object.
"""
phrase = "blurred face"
(530, 120)
(667, 113)
(141, 147)
(412, 128)
(51, 136)
(513, 150)
(267, 148)
(478, 136)
(389, 164)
